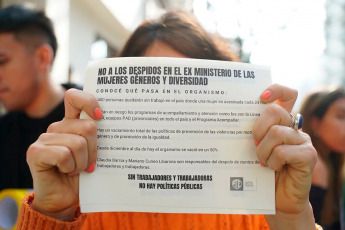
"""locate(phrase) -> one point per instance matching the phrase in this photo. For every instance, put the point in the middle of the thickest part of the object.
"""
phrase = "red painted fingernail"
(262, 164)
(91, 168)
(98, 113)
(256, 142)
(266, 94)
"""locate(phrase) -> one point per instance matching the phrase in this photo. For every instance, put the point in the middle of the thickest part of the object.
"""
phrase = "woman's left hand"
(291, 155)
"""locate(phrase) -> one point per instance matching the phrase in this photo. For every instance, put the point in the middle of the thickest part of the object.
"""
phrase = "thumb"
(282, 95)
(77, 101)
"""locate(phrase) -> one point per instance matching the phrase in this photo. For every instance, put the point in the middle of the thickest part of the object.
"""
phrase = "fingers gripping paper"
(176, 137)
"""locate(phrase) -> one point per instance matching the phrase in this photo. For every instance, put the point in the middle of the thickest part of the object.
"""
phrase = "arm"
(33, 220)
(291, 154)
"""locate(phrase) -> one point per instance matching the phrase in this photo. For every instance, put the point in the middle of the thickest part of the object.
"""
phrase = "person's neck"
(48, 98)
(320, 174)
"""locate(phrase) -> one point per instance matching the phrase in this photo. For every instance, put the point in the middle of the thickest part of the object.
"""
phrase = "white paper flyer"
(176, 137)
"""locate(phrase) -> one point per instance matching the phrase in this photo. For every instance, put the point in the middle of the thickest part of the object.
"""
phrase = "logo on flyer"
(243, 184)
(236, 183)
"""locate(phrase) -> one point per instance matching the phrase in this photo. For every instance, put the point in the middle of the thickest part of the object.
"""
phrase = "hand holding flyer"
(176, 136)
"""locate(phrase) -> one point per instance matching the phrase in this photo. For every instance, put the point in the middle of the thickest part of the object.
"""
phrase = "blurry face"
(331, 128)
(160, 49)
(18, 75)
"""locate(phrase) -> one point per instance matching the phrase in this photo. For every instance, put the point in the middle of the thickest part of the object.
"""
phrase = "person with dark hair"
(324, 113)
(27, 49)
(70, 147)
(183, 33)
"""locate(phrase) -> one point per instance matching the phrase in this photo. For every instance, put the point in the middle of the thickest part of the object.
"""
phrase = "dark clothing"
(17, 133)
(316, 198)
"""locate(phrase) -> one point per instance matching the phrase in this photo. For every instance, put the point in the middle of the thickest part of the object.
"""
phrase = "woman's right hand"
(58, 156)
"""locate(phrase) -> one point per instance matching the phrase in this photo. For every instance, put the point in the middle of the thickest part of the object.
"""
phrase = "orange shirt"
(30, 219)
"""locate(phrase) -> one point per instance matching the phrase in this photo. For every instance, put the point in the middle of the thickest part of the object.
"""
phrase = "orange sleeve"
(30, 219)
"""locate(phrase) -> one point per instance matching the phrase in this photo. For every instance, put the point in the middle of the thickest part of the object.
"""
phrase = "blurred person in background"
(2, 109)
(55, 205)
(27, 49)
(324, 114)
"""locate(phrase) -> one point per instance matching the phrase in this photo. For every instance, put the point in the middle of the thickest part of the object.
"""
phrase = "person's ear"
(44, 57)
